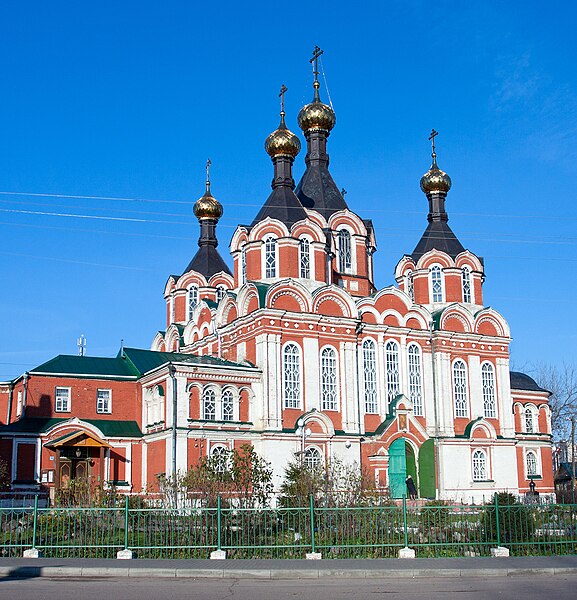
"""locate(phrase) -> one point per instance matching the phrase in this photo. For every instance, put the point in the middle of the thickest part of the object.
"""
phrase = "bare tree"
(561, 381)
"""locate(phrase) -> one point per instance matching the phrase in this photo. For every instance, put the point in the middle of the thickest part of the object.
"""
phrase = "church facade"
(295, 351)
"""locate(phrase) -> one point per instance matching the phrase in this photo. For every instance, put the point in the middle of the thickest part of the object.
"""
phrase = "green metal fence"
(353, 532)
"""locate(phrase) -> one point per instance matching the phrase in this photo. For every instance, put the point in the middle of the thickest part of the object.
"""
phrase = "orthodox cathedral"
(296, 352)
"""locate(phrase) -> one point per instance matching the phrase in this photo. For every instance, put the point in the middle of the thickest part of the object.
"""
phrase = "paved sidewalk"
(289, 569)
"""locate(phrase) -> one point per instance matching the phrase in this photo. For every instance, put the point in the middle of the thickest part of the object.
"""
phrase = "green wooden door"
(427, 488)
(397, 469)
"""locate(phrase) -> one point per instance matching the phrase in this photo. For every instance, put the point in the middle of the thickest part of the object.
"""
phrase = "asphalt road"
(529, 587)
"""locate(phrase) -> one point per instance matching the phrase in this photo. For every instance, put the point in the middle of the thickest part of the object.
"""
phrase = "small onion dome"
(282, 141)
(316, 115)
(435, 180)
(207, 207)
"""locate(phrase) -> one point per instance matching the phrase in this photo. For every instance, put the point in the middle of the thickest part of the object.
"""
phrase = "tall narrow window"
(192, 300)
(270, 257)
(305, 258)
(410, 286)
(220, 292)
(488, 382)
(466, 279)
(436, 284)
(392, 369)
(345, 253)
(104, 401)
(209, 405)
(479, 465)
(62, 403)
(531, 464)
(460, 395)
(291, 376)
(415, 379)
(227, 406)
(529, 420)
(328, 379)
(370, 376)
(243, 265)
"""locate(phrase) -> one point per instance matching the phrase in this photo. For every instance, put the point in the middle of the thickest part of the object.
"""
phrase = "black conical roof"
(318, 191)
(438, 236)
(282, 204)
(207, 261)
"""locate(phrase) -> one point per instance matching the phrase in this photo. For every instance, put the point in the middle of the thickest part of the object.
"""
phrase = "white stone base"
(313, 556)
(32, 553)
(499, 551)
(406, 552)
(125, 555)
(218, 555)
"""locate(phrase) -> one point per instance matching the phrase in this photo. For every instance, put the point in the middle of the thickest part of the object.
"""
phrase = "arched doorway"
(402, 463)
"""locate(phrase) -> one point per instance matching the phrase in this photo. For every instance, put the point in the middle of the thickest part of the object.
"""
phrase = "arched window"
(270, 257)
(305, 258)
(479, 465)
(410, 286)
(488, 382)
(291, 376)
(436, 284)
(209, 405)
(466, 280)
(220, 292)
(220, 456)
(328, 379)
(370, 376)
(460, 394)
(243, 265)
(531, 464)
(529, 420)
(227, 400)
(345, 252)
(192, 300)
(313, 458)
(415, 379)
(392, 370)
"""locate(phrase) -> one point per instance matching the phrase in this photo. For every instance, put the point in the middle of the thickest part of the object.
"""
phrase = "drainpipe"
(358, 331)
(10, 396)
(172, 373)
(24, 393)
(437, 472)
(330, 255)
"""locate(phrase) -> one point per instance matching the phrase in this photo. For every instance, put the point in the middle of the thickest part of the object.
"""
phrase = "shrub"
(516, 522)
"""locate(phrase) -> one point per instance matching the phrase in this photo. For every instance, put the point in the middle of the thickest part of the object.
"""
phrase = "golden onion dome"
(316, 116)
(435, 180)
(282, 141)
(207, 206)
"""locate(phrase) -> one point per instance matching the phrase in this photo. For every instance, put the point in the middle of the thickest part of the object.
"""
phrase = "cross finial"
(208, 163)
(343, 192)
(315, 63)
(432, 137)
(283, 90)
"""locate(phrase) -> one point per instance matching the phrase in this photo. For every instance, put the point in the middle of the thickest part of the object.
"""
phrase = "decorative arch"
(292, 289)
(268, 227)
(459, 314)
(323, 420)
(487, 320)
(468, 259)
(435, 256)
(349, 220)
(308, 228)
(239, 238)
(340, 298)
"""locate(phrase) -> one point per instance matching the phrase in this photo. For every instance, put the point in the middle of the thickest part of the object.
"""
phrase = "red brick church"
(294, 350)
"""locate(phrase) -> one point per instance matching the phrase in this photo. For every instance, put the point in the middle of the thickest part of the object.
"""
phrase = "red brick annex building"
(412, 379)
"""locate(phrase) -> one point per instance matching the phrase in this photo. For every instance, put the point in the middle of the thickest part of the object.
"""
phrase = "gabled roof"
(90, 366)
(282, 204)
(318, 191)
(207, 261)
(438, 236)
(521, 381)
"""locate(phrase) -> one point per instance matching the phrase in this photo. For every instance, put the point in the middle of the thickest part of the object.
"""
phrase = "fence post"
(497, 523)
(125, 553)
(405, 530)
(218, 523)
(313, 554)
(33, 552)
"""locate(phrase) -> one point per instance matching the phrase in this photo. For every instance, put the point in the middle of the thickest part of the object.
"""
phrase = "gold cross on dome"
(315, 61)
(282, 92)
(208, 163)
(432, 137)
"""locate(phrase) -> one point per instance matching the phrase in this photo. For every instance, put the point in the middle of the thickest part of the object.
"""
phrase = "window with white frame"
(529, 420)
(313, 458)
(305, 258)
(220, 458)
(415, 379)
(392, 370)
(410, 286)
(227, 400)
(488, 383)
(479, 465)
(192, 300)
(436, 284)
(531, 464)
(460, 392)
(270, 257)
(104, 401)
(291, 376)
(328, 379)
(466, 281)
(220, 292)
(370, 376)
(345, 251)
(209, 405)
(62, 397)
(243, 265)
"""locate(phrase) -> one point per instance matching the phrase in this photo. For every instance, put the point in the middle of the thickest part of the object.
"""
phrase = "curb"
(29, 572)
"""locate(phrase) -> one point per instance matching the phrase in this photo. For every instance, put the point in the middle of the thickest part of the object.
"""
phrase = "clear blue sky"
(128, 99)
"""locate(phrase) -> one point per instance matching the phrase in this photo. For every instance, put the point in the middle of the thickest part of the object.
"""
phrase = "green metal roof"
(109, 427)
(88, 365)
(262, 289)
